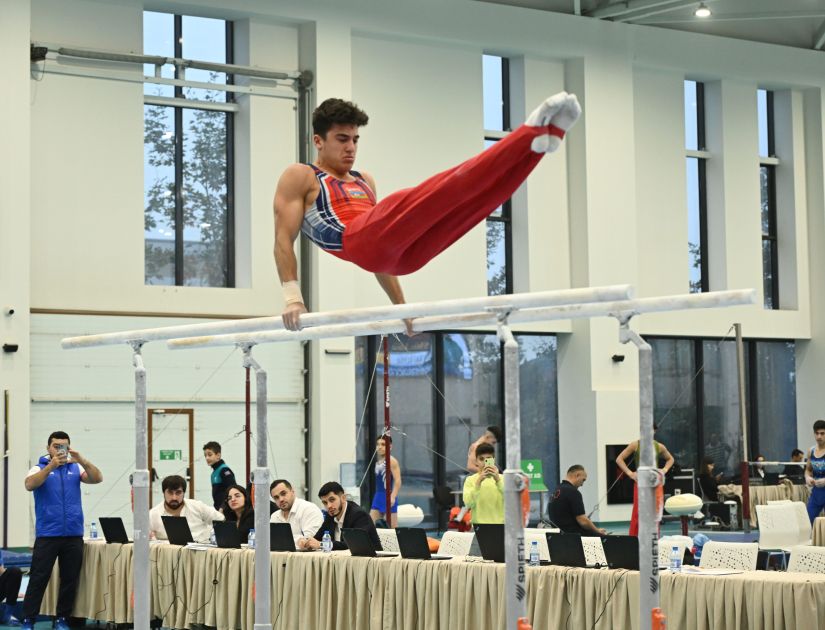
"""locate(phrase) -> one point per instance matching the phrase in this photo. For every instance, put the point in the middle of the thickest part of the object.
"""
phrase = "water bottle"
(675, 560)
(250, 541)
(326, 542)
(212, 539)
(534, 554)
(93, 531)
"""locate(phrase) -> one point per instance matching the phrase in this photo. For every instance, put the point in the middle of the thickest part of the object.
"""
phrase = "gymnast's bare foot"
(560, 112)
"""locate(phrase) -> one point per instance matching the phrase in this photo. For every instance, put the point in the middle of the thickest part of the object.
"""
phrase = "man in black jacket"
(340, 514)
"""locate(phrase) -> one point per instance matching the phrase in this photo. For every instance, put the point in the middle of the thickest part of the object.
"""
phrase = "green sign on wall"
(169, 455)
(533, 470)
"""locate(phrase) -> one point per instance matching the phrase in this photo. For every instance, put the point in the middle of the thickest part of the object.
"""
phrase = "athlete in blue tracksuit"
(815, 472)
(55, 482)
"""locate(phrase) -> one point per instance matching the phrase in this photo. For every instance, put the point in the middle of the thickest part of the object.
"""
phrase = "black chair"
(444, 503)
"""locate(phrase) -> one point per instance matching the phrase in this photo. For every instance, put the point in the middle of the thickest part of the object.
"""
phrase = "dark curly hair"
(228, 512)
(336, 111)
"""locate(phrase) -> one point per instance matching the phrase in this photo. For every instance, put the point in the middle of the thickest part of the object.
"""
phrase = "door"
(171, 449)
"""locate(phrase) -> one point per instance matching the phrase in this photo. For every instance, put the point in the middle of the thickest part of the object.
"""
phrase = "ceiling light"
(702, 11)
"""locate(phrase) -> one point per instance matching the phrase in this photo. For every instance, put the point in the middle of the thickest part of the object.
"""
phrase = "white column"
(734, 229)
(810, 354)
(598, 399)
(326, 49)
(15, 250)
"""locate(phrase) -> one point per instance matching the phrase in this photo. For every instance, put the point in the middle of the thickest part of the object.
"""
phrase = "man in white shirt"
(304, 518)
(198, 514)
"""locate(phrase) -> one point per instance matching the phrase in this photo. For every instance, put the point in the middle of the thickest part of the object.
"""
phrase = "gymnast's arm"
(290, 200)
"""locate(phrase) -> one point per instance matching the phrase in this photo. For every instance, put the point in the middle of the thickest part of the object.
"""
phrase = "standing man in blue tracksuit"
(815, 472)
(222, 476)
(55, 481)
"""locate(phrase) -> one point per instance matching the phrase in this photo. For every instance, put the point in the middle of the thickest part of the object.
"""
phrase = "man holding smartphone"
(484, 491)
(55, 482)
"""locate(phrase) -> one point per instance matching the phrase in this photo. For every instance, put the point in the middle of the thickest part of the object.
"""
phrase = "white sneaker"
(543, 113)
(561, 110)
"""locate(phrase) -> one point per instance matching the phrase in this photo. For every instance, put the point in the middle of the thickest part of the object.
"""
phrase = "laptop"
(491, 541)
(280, 537)
(177, 530)
(412, 541)
(360, 544)
(566, 550)
(113, 529)
(227, 535)
(622, 552)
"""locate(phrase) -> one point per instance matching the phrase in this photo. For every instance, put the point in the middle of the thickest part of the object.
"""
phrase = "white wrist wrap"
(292, 292)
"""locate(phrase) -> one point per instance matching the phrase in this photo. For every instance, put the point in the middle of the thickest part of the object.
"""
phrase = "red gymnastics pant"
(634, 515)
(407, 229)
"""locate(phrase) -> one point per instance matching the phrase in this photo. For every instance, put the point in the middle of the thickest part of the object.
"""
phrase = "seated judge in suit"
(340, 514)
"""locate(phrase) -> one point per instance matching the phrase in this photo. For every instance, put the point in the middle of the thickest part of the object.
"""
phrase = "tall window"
(767, 185)
(496, 88)
(696, 158)
(696, 400)
(188, 149)
(446, 388)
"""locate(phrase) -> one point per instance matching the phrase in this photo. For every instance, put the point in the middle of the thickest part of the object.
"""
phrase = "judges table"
(316, 590)
(819, 531)
(760, 495)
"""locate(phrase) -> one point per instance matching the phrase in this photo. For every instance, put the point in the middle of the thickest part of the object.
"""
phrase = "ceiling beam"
(641, 14)
(739, 17)
(819, 37)
(631, 6)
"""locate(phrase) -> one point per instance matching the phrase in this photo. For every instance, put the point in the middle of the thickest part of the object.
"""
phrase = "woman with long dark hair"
(238, 509)
(708, 482)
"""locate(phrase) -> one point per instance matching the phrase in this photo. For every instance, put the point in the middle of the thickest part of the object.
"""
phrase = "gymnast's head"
(335, 124)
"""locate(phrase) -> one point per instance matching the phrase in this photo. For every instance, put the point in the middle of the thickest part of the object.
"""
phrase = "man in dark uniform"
(222, 476)
(567, 507)
(341, 514)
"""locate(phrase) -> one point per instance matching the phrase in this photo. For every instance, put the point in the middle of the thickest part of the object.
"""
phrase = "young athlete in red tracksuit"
(336, 207)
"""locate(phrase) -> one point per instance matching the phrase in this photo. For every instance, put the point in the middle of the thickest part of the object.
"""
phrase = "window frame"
(751, 346)
(769, 163)
(506, 216)
(374, 421)
(701, 155)
(229, 228)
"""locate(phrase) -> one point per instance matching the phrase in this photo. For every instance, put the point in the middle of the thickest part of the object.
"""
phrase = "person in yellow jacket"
(484, 491)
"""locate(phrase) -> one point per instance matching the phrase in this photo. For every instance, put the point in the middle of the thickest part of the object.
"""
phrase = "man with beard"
(341, 514)
(198, 514)
(304, 518)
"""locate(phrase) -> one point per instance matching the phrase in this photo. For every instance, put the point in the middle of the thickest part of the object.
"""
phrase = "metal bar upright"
(388, 480)
(260, 480)
(743, 419)
(140, 487)
(516, 579)
(247, 429)
(647, 479)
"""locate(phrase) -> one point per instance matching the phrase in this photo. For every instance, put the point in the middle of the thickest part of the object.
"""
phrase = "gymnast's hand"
(409, 324)
(292, 314)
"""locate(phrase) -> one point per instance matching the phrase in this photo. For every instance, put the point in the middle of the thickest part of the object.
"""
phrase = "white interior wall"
(392, 59)
(88, 207)
(89, 393)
